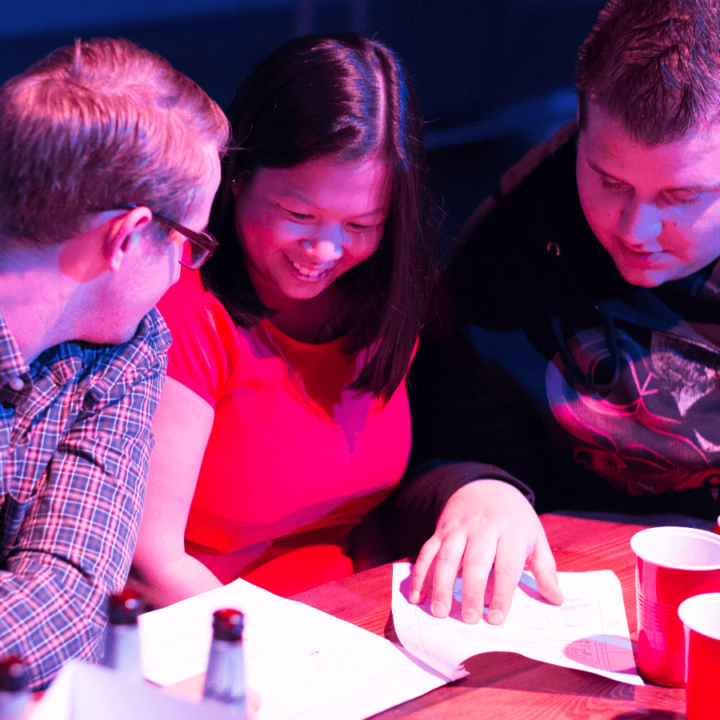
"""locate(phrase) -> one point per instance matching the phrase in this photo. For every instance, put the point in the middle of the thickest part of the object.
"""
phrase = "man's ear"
(123, 233)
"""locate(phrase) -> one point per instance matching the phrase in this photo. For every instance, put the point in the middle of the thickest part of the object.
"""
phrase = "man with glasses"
(110, 161)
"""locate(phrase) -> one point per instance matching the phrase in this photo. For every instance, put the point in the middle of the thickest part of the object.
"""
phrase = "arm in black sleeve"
(412, 512)
(468, 424)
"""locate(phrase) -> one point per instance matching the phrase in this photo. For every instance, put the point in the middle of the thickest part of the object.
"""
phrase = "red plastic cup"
(716, 529)
(672, 564)
(701, 618)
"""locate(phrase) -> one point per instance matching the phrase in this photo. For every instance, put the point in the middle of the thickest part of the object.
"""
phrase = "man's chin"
(643, 281)
(645, 277)
(110, 336)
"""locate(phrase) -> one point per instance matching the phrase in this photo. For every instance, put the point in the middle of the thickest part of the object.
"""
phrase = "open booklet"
(588, 631)
(307, 664)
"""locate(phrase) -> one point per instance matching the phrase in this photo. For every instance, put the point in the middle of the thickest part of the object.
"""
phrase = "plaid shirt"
(75, 443)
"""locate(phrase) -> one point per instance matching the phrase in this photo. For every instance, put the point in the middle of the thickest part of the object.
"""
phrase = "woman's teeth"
(312, 272)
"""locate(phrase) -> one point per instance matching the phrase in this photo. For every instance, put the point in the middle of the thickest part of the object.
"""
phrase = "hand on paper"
(484, 522)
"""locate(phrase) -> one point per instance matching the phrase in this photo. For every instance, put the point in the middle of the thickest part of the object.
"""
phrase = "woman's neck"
(318, 320)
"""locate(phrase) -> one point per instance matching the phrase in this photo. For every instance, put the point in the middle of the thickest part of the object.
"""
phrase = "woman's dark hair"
(345, 97)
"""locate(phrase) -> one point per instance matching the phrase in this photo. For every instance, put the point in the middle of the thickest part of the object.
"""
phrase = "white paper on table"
(303, 663)
(588, 631)
(88, 692)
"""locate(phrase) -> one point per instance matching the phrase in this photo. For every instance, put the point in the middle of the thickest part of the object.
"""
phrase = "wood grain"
(504, 685)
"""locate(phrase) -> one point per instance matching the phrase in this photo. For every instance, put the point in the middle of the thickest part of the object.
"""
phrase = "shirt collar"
(12, 364)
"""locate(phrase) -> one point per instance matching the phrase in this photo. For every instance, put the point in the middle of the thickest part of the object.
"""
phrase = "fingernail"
(414, 597)
(438, 609)
(495, 617)
(471, 616)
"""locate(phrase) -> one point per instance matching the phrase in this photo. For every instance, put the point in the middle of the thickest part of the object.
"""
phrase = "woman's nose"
(328, 244)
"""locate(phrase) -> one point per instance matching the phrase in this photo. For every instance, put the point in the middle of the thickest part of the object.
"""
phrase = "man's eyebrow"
(696, 188)
(681, 188)
(600, 171)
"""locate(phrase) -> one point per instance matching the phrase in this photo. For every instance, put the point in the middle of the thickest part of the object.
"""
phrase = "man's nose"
(641, 223)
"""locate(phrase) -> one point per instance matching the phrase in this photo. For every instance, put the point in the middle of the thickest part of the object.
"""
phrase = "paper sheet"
(304, 663)
(89, 692)
(588, 632)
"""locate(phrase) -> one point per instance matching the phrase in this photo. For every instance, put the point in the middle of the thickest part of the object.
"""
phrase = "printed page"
(303, 663)
(588, 632)
(88, 692)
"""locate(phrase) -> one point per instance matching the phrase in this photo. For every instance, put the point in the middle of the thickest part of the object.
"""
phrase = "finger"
(477, 563)
(447, 564)
(422, 572)
(542, 564)
(509, 564)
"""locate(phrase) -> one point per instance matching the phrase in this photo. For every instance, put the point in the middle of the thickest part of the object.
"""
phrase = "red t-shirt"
(294, 460)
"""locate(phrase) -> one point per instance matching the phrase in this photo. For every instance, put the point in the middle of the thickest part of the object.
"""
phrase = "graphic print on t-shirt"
(657, 429)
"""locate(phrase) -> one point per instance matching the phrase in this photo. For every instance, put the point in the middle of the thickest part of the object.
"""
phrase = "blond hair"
(99, 124)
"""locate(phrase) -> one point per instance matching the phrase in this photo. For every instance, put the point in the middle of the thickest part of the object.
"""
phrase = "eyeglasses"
(199, 246)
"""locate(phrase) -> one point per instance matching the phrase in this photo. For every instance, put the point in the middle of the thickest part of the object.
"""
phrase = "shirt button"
(17, 383)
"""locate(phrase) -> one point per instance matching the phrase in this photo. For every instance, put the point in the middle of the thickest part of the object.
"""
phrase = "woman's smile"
(311, 273)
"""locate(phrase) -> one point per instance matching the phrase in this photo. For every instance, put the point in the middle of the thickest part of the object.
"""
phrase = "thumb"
(542, 564)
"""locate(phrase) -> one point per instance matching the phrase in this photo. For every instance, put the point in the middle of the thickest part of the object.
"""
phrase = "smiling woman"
(285, 419)
(302, 228)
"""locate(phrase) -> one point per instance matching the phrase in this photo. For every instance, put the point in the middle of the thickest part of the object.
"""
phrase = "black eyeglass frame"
(202, 240)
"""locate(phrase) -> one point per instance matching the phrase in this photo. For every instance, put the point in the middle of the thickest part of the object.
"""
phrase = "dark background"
(494, 76)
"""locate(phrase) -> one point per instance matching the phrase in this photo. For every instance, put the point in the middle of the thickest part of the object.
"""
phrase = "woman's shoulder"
(207, 348)
(188, 295)
(189, 309)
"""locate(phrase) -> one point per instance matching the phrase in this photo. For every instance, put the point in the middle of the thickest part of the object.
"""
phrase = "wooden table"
(505, 685)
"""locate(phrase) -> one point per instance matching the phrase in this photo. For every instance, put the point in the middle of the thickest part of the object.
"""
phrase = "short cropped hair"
(97, 124)
(344, 97)
(655, 65)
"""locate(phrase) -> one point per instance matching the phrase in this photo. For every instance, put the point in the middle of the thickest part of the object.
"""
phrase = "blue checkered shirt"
(75, 443)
